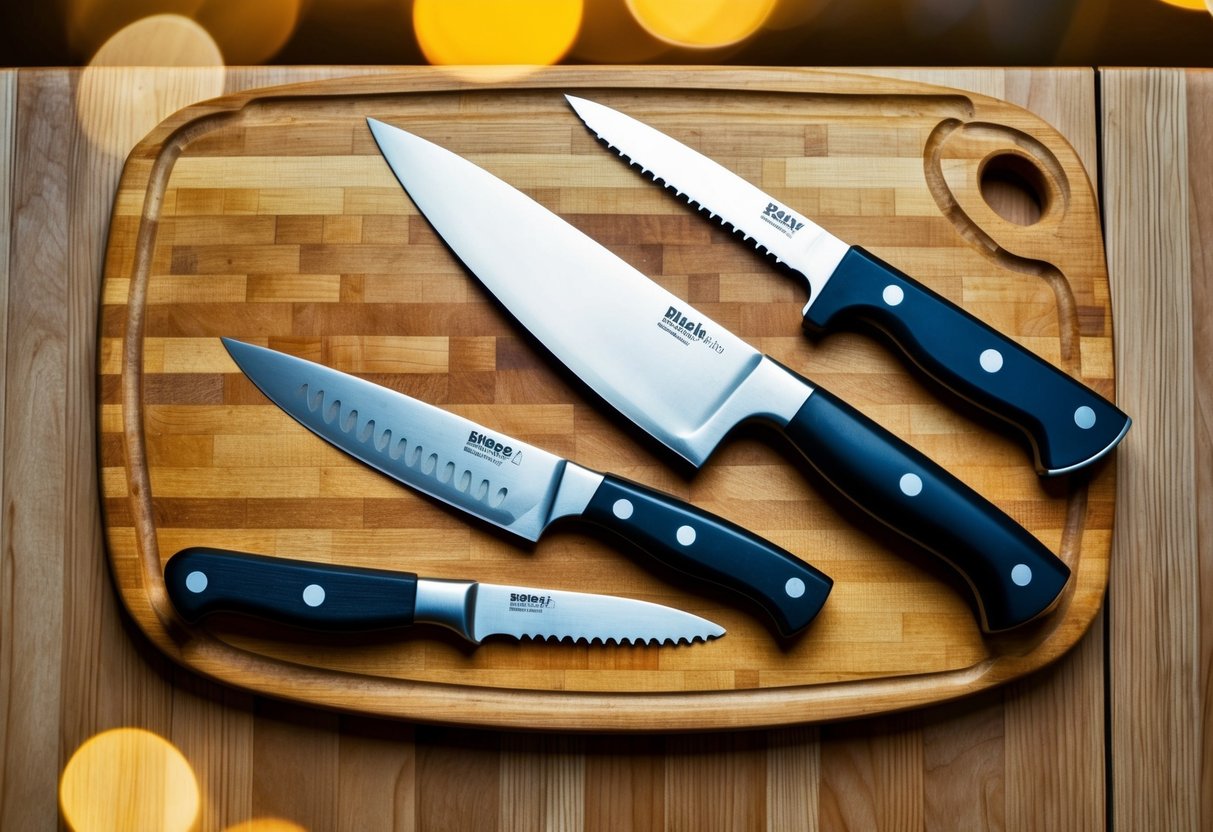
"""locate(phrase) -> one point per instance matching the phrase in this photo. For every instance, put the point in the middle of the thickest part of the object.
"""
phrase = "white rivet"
(313, 595)
(685, 535)
(1084, 417)
(892, 295)
(196, 581)
(622, 509)
(911, 485)
(794, 587)
(991, 361)
(1021, 574)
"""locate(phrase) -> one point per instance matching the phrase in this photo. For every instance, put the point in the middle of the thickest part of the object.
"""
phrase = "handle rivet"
(622, 509)
(196, 582)
(685, 535)
(892, 295)
(1021, 574)
(911, 485)
(313, 595)
(794, 587)
(991, 360)
(1084, 417)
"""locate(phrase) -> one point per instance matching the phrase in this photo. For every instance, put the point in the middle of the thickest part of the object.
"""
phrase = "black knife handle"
(709, 547)
(1013, 576)
(1068, 424)
(318, 596)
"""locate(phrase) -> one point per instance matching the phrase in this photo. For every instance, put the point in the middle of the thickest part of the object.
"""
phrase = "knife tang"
(679, 535)
(202, 581)
(1013, 577)
(1068, 424)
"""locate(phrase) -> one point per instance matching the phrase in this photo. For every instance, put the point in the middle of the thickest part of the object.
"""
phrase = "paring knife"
(688, 381)
(1068, 425)
(522, 488)
(321, 596)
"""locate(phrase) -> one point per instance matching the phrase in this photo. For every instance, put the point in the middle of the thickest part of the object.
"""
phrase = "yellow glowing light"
(479, 32)
(249, 32)
(121, 96)
(125, 779)
(266, 825)
(701, 23)
(1190, 5)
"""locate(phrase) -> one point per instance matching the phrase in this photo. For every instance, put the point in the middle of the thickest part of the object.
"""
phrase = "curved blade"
(523, 612)
(767, 223)
(679, 375)
(506, 482)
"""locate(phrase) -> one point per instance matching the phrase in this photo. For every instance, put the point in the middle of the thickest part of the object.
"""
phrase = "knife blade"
(202, 581)
(688, 381)
(523, 488)
(1067, 424)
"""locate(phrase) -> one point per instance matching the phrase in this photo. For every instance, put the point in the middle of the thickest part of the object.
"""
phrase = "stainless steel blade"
(679, 375)
(500, 479)
(788, 236)
(524, 612)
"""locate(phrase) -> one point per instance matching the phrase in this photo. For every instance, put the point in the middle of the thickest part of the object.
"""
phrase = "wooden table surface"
(1113, 734)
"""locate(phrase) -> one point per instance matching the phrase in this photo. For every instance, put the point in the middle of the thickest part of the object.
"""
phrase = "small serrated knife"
(522, 488)
(323, 596)
(688, 381)
(1068, 425)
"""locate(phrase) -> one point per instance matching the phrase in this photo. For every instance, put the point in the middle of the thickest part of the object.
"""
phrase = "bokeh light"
(1191, 5)
(249, 33)
(128, 778)
(266, 825)
(702, 24)
(480, 32)
(116, 112)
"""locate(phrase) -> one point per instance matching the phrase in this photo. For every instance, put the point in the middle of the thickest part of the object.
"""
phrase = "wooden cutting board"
(270, 216)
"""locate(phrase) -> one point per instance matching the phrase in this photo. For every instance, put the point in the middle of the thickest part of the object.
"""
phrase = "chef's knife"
(1068, 425)
(322, 596)
(688, 381)
(522, 488)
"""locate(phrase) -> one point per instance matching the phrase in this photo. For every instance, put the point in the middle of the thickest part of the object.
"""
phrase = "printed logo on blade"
(490, 449)
(687, 331)
(530, 602)
(782, 219)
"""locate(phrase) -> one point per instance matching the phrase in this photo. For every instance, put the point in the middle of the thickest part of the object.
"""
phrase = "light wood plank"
(32, 536)
(1154, 603)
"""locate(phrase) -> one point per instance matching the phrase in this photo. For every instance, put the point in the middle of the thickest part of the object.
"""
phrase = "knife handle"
(202, 581)
(701, 544)
(1068, 424)
(1013, 576)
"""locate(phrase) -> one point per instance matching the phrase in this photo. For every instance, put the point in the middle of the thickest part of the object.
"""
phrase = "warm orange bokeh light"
(266, 825)
(1191, 5)
(702, 24)
(478, 32)
(125, 779)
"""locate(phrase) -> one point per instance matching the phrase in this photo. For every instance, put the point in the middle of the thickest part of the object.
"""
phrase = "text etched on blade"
(782, 219)
(686, 331)
(490, 449)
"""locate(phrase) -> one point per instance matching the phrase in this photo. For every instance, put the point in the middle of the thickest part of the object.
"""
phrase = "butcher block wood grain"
(269, 216)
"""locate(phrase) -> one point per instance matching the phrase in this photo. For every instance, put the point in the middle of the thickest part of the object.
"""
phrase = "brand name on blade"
(784, 220)
(489, 447)
(687, 331)
(530, 602)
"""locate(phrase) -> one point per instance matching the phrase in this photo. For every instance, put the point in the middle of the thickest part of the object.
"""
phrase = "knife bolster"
(449, 604)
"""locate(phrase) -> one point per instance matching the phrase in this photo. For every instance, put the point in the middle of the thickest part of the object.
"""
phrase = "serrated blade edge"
(770, 226)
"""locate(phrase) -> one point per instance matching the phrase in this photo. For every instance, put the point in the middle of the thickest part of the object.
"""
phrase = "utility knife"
(522, 488)
(688, 381)
(324, 596)
(1068, 425)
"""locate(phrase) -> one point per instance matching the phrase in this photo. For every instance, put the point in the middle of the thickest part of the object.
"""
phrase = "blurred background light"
(125, 779)
(701, 23)
(115, 116)
(479, 32)
(1192, 5)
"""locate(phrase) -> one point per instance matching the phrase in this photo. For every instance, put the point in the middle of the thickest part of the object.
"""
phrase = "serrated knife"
(522, 488)
(202, 581)
(688, 381)
(1068, 425)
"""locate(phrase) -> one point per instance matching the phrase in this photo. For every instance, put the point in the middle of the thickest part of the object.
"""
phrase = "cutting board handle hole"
(1015, 188)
